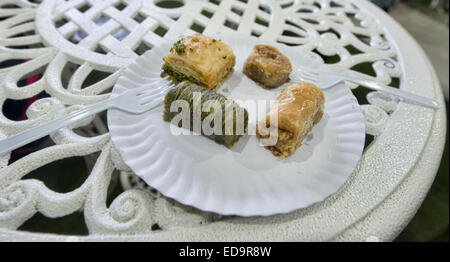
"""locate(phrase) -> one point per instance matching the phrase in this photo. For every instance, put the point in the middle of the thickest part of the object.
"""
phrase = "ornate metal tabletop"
(68, 54)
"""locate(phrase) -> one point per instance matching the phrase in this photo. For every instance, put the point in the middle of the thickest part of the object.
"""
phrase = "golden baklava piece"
(267, 66)
(200, 59)
(299, 107)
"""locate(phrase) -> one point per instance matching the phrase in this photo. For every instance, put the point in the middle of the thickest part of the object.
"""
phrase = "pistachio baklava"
(233, 119)
(200, 59)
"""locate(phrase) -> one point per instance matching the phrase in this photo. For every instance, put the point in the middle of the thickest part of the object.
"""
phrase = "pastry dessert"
(268, 66)
(200, 59)
(299, 108)
(233, 118)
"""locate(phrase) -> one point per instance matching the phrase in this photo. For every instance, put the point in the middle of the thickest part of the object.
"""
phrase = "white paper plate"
(246, 180)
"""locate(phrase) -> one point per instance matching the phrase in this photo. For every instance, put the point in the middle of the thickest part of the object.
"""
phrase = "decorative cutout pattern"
(72, 39)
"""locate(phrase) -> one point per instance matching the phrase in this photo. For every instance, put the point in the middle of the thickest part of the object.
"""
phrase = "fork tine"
(308, 73)
(157, 82)
(306, 77)
(149, 99)
(152, 92)
(156, 92)
(148, 88)
(306, 69)
(143, 87)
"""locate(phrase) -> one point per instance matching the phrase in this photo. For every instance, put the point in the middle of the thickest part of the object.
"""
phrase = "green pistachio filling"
(177, 77)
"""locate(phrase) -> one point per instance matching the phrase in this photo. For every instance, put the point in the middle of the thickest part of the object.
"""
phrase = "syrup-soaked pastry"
(200, 59)
(299, 108)
(231, 113)
(267, 66)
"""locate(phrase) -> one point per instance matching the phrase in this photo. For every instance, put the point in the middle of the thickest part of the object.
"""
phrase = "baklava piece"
(236, 116)
(200, 59)
(268, 66)
(299, 108)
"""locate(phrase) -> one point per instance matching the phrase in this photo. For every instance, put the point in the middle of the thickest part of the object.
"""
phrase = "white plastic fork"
(134, 101)
(327, 78)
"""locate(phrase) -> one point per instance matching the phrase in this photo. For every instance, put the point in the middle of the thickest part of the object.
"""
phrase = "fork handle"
(420, 100)
(35, 133)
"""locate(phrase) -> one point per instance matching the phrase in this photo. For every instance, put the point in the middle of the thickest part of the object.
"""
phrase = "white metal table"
(69, 41)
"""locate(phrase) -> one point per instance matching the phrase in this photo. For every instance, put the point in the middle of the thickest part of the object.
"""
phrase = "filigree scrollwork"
(376, 119)
(384, 101)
